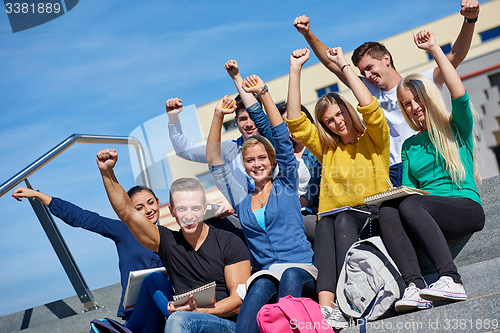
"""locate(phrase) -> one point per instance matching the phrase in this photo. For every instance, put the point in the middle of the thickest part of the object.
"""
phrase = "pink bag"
(292, 314)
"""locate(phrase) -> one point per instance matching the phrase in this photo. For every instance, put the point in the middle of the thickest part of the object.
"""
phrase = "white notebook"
(393, 193)
(203, 296)
(135, 279)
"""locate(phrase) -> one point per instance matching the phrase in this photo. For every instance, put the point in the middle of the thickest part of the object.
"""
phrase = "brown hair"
(373, 49)
(186, 185)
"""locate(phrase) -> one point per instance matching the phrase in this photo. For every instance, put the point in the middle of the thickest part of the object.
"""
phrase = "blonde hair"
(438, 124)
(258, 139)
(327, 137)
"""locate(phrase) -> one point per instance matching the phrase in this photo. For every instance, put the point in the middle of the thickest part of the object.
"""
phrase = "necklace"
(262, 204)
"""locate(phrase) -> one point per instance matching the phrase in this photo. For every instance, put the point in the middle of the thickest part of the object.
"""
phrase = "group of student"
(287, 161)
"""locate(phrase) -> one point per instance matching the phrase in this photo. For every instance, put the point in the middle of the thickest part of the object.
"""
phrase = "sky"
(107, 68)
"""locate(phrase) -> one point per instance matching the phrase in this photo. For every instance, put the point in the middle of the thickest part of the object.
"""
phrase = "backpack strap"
(107, 325)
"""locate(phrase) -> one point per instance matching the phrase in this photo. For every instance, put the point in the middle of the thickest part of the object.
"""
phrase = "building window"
(495, 80)
(323, 91)
(446, 49)
(490, 34)
(206, 181)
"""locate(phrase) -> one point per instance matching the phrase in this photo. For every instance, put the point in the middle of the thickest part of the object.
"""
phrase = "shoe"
(335, 318)
(411, 300)
(444, 289)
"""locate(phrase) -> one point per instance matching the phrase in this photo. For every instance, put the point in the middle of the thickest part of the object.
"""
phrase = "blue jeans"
(150, 308)
(194, 322)
(295, 282)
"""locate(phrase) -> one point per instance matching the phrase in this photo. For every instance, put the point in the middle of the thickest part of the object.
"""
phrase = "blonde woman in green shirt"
(439, 159)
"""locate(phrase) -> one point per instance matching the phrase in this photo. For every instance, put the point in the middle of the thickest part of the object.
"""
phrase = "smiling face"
(146, 204)
(257, 163)
(376, 71)
(188, 208)
(245, 124)
(338, 120)
(413, 105)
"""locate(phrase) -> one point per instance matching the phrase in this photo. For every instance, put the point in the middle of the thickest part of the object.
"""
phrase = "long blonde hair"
(327, 137)
(438, 124)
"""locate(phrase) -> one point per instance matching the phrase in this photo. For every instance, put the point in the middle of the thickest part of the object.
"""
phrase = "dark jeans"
(333, 237)
(430, 220)
(295, 282)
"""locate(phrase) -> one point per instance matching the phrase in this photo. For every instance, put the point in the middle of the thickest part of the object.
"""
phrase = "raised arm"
(252, 106)
(225, 106)
(183, 147)
(23, 192)
(143, 230)
(297, 59)
(232, 69)
(253, 84)
(470, 12)
(302, 24)
(426, 41)
(357, 86)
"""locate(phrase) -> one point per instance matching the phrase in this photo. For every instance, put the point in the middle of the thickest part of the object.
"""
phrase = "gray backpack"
(369, 282)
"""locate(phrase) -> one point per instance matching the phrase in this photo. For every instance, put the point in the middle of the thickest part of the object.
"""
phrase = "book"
(275, 271)
(335, 211)
(135, 279)
(393, 193)
(204, 296)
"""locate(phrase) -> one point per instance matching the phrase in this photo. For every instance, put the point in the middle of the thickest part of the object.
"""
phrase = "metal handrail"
(71, 140)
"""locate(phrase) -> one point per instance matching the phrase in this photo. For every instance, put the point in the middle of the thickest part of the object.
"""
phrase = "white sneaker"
(335, 318)
(444, 289)
(411, 300)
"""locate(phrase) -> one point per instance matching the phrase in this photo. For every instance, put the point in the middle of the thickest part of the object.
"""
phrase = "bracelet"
(263, 91)
(342, 69)
(474, 20)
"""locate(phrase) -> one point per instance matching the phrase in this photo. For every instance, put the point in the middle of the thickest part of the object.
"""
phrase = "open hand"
(470, 9)
(301, 23)
(232, 68)
(106, 159)
(173, 106)
(424, 40)
(299, 57)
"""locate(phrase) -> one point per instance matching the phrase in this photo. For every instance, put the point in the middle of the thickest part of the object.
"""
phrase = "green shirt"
(421, 168)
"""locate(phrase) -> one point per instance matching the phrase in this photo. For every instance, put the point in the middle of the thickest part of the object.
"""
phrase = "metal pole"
(63, 253)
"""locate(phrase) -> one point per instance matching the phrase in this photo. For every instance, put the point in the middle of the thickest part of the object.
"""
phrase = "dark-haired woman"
(131, 255)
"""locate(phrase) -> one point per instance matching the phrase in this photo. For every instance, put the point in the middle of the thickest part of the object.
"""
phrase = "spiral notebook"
(393, 193)
(203, 296)
(135, 279)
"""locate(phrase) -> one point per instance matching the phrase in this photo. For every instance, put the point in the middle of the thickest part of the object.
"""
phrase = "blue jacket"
(284, 238)
(131, 255)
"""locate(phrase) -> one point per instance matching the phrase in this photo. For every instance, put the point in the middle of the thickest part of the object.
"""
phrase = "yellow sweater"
(350, 172)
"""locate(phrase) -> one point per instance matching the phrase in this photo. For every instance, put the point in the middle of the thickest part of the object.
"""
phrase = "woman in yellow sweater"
(355, 159)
